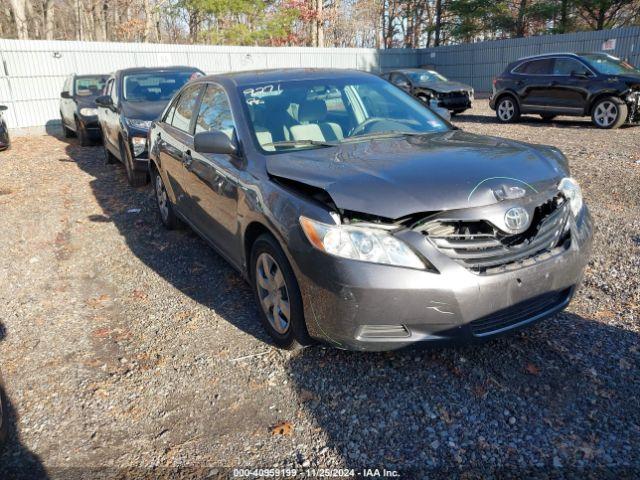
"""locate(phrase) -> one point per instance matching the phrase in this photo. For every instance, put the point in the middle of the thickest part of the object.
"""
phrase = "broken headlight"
(572, 192)
(139, 145)
(360, 243)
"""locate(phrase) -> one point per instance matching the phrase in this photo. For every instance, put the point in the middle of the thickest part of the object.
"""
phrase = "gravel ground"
(138, 351)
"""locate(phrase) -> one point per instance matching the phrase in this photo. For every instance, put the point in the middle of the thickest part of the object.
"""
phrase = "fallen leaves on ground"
(282, 428)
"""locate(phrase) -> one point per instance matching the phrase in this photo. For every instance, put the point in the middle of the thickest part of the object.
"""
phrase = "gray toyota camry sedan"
(359, 217)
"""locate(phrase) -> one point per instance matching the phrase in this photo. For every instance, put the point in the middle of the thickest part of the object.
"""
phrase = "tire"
(109, 158)
(507, 110)
(267, 259)
(609, 113)
(547, 117)
(82, 135)
(135, 178)
(166, 212)
(68, 133)
(4, 418)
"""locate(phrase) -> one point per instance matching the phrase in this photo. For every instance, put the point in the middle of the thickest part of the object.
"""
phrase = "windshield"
(153, 87)
(610, 65)
(325, 112)
(89, 85)
(427, 76)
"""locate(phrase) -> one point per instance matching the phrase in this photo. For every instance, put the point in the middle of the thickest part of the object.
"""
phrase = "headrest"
(313, 111)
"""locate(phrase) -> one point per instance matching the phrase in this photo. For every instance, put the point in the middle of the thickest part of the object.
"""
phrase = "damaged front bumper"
(633, 104)
(365, 306)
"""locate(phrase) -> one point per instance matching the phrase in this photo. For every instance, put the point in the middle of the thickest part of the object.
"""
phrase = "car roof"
(251, 77)
(128, 71)
(563, 54)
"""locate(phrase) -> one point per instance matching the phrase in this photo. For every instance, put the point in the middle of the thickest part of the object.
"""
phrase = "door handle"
(187, 159)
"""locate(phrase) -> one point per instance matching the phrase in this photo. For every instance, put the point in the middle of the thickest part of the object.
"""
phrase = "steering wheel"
(366, 127)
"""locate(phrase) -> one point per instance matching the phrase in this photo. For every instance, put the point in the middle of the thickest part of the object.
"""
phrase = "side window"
(522, 67)
(107, 88)
(185, 107)
(215, 112)
(168, 117)
(540, 67)
(398, 79)
(566, 66)
(114, 91)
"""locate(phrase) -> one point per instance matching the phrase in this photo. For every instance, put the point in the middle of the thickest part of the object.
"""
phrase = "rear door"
(213, 178)
(176, 146)
(533, 79)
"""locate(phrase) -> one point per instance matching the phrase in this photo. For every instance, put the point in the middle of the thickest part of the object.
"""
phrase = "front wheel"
(82, 134)
(135, 177)
(609, 112)
(277, 294)
(68, 133)
(507, 110)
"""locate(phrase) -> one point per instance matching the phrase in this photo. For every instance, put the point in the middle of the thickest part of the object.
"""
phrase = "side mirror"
(3, 108)
(65, 94)
(104, 101)
(403, 85)
(214, 141)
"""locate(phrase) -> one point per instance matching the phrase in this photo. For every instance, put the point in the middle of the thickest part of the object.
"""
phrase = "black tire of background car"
(547, 117)
(297, 336)
(4, 420)
(623, 113)
(516, 109)
(172, 222)
(135, 178)
(109, 158)
(68, 133)
(83, 137)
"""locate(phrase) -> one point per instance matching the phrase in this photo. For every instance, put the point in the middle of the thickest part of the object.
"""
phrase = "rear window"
(155, 86)
(536, 67)
(87, 86)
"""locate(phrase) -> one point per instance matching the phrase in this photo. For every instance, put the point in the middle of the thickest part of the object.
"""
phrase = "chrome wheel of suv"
(605, 113)
(609, 112)
(507, 110)
(161, 196)
(273, 293)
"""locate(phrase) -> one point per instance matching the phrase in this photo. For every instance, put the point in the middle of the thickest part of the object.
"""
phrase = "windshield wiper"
(298, 143)
(387, 134)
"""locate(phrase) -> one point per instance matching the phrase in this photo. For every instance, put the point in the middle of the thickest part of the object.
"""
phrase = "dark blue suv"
(578, 84)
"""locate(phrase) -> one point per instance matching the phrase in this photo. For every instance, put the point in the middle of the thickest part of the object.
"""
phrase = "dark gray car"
(359, 217)
(431, 87)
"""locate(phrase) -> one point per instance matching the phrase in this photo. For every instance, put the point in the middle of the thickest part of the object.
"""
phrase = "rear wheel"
(507, 110)
(135, 177)
(609, 112)
(165, 207)
(278, 295)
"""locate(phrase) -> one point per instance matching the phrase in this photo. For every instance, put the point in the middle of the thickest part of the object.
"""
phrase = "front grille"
(519, 313)
(482, 248)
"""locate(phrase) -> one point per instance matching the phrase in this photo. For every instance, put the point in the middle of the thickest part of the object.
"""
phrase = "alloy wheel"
(273, 293)
(506, 109)
(163, 200)
(606, 114)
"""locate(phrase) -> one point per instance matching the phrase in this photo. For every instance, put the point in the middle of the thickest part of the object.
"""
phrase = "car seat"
(311, 115)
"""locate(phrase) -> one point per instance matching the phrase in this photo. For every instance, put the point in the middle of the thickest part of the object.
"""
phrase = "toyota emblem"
(516, 219)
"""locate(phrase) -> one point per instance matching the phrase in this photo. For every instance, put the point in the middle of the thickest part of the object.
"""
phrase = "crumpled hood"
(445, 87)
(143, 110)
(393, 178)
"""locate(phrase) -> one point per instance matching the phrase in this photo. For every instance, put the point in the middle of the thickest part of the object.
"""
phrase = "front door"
(536, 87)
(213, 178)
(570, 85)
